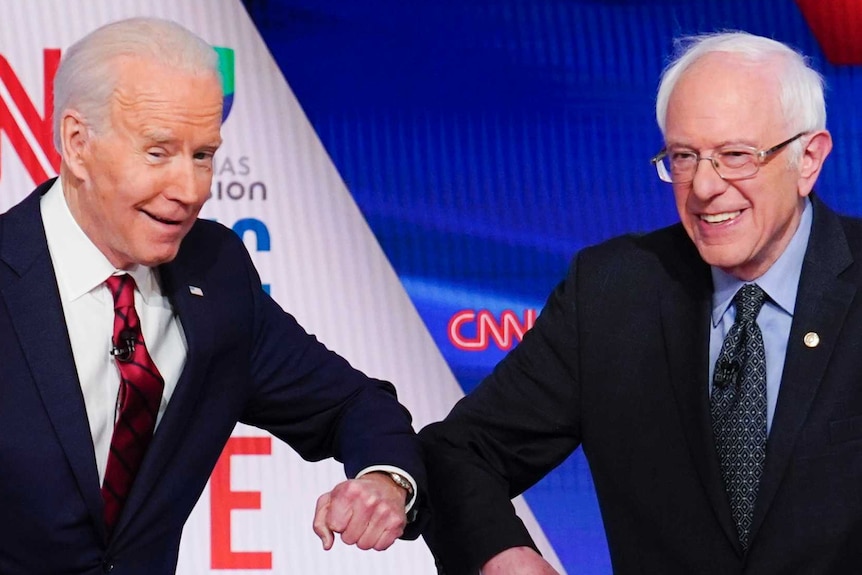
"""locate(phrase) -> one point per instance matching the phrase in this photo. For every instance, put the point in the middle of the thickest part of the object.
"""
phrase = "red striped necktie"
(138, 400)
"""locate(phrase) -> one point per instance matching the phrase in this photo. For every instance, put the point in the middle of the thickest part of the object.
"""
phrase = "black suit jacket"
(617, 363)
(248, 361)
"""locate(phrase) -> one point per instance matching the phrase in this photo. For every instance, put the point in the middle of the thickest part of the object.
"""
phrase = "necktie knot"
(748, 301)
(122, 289)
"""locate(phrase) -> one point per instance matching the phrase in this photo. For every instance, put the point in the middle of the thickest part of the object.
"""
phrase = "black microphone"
(726, 373)
(123, 349)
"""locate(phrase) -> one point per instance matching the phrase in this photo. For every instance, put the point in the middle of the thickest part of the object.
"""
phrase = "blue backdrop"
(487, 141)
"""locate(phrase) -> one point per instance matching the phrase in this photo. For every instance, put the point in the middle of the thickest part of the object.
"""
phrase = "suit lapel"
(822, 303)
(195, 317)
(33, 301)
(685, 314)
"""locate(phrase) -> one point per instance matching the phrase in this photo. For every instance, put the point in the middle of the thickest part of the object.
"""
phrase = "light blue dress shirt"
(780, 282)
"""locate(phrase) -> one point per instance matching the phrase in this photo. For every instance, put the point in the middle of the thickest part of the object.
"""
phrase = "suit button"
(107, 566)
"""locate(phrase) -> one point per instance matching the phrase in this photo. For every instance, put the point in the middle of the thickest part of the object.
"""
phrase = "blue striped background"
(487, 141)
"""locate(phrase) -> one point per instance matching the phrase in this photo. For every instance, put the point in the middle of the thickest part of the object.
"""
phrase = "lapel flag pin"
(195, 290)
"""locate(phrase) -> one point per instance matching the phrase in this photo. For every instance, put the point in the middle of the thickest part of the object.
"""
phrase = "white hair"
(800, 87)
(87, 76)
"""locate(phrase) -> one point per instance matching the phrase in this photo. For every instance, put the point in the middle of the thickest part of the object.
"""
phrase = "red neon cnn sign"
(504, 332)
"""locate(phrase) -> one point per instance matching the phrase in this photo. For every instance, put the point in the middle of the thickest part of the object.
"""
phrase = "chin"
(153, 260)
(717, 258)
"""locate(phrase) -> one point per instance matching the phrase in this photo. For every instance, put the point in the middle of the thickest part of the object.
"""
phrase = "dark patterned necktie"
(138, 400)
(738, 406)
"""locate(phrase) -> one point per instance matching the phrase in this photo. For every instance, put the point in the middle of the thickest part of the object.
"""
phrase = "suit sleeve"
(311, 398)
(516, 426)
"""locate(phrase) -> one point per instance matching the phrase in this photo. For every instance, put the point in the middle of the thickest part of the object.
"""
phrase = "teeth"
(718, 218)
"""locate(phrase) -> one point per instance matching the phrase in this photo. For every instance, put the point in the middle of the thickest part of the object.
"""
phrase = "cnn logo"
(471, 330)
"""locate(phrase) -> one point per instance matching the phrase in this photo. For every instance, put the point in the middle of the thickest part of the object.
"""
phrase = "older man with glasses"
(710, 370)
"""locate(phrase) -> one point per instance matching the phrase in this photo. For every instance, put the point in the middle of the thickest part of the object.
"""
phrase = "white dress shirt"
(88, 307)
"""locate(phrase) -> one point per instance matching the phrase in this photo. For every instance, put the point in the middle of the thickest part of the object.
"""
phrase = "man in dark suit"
(711, 370)
(133, 336)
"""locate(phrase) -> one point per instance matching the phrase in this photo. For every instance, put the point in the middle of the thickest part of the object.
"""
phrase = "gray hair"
(87, 75)
(800, 86)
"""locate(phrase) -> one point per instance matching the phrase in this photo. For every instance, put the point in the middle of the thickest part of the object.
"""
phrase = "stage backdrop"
(276, 186)
(483, 141)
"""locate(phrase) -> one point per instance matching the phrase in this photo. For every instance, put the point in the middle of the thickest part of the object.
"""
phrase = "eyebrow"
(724, 144)
(158, 135)
(164, 137)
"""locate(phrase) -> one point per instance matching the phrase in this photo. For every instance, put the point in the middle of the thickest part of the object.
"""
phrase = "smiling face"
(137, 185)
(740, 226)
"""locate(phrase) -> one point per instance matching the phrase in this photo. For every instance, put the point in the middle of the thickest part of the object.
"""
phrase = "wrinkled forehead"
(724, 98)
(158, 98)
(143, 72)
(718, 73)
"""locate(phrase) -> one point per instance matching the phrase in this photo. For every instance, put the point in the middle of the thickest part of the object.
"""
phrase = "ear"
(817, 147)
(75, 142)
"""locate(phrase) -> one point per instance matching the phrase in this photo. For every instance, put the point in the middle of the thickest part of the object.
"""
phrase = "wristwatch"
(401, 482)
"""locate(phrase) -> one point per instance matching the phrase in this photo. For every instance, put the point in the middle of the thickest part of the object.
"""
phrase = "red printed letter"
(39, 127)
(223, 500)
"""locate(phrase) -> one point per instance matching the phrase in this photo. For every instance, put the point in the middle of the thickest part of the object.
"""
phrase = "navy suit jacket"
(617, 363)
(248, 361)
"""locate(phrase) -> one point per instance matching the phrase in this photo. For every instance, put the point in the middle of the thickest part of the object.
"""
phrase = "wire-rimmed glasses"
(732, 162)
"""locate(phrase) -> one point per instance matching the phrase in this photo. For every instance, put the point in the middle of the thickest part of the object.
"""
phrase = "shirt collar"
(78, 264)
(781, 280)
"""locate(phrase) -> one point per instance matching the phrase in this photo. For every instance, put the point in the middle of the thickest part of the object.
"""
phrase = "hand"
(518, 561)
(368, 512)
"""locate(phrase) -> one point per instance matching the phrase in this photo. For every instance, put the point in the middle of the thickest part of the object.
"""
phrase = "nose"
(707, 183)
(189, 184)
